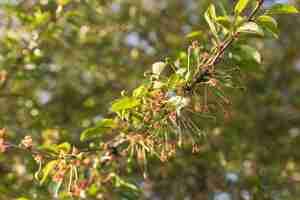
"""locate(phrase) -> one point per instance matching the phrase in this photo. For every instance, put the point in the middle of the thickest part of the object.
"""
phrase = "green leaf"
(54, 148)
(282, 9)
(140, 91)
(119, 182)
(210, 17)
(194, 34)
(269, 23)
(174, 80)
(251, 28)
(106, 123)
(240, 6)
(124, 104)
(47, 169)
(101, 127)
(225, 21)
(250, 53)
(66, 147)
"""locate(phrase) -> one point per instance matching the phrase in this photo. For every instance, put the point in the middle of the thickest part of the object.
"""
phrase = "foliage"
(177, 106)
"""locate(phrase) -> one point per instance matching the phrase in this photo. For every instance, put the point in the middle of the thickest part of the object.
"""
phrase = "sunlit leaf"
(269, 23)
(225, 21)
(47, 169)
(210, 17)
(282, 9)
(124, 104)
(140, 91)
(251, 28)
(240, 6)
(66, 147)
(194, 34)
(101, 127)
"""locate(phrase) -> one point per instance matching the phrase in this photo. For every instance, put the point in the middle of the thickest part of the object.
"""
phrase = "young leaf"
(282, 9)
(251, 28)
(225, 21)
(140, 91)
(119, 182)
(101, 127)
(47, 169)
(240, 6)
(210, 17)
(66, 147)
(269, 23)
(194, 34)
(124, 104)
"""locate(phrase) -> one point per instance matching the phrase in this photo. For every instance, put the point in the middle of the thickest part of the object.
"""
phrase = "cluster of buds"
(156, 125)
(196, 148)
(58, 177)
(173, 116)
(61, 169)
(171, 148)
(158, 101)
(163, 156)
(3, 145)
(147, 117)
(87, 162)
(195, 44)
(27, 142)
(168, 151)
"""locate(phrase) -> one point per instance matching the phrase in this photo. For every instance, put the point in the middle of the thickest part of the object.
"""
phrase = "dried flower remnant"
(173, 116)
(212, 82)
(3, 146)
(3, 76)
(27, 142)
(38, 158)
(163, 156)
(196, 148)
(58, 177)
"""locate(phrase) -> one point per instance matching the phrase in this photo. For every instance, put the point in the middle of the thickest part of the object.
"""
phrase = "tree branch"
(223, 47)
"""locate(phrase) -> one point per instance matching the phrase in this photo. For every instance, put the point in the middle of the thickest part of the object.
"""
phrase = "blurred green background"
(62, 62)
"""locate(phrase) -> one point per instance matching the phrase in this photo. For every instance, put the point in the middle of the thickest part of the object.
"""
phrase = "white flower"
(158, 67)
(179, 102)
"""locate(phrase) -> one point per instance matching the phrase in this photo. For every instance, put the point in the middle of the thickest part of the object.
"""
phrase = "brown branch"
(32, 151)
